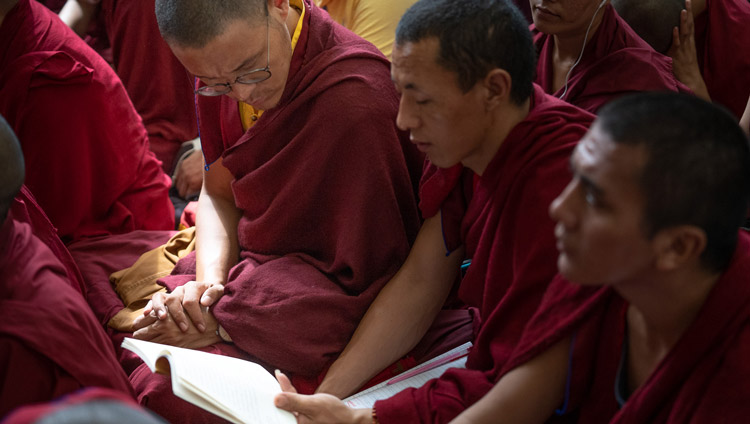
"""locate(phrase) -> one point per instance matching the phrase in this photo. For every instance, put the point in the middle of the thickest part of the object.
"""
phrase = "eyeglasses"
(253, 77)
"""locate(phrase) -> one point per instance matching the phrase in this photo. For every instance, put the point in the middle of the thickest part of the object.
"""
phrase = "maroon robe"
(50, 342)
(85, 147)
(25, 209)
(329, 211)
(159, 86)
(616, 62)
(504, 225)
(722, 38)
(705, 378)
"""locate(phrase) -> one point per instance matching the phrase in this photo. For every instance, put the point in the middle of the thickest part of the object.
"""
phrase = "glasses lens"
(212, 90)
(254, 77)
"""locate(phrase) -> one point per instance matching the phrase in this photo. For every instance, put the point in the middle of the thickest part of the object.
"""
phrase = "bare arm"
(527, 394)
(401, 313)
(217, 251)
(77, 14)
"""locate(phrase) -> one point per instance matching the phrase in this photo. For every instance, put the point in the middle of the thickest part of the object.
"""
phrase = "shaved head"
(12, 171)
(194, 23)
(652, 20)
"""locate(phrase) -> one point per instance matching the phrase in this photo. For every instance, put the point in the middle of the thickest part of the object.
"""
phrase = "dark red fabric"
(722, 32)
(85, 148)
(36, 412)
(50, 342)
(329, 211)
(159, 86)
(615, 62)
(320, 241)
(705, 378)
(25, 209)
(507, 233)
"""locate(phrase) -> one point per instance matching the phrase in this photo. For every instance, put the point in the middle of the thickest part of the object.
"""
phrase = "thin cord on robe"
(586, 37)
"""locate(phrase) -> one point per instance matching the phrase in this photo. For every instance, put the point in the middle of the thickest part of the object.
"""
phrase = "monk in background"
(589, 56)
(93, 172)
(705, 41)
(50, 342)
(158, 85)
(373, 20)
(656, 328)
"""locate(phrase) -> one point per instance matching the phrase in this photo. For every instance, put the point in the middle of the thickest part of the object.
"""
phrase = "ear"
(678, 246)
(497, 85)
(281, 6)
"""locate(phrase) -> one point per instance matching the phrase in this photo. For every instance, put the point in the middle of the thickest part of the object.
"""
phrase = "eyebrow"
(586, 181)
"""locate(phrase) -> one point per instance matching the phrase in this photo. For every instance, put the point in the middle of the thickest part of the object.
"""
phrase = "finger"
(144, 334)
(148, 309)
(689, 18)
(192, 306)
(143, 321)
(212, 294)
(284, 382)
(158, 306)
(177, 312)
(293, 403)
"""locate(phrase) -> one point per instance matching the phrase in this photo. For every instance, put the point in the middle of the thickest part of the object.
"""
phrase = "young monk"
(308, 204)
(588, 55)
(657, 328)
(50, 342)
(93, 173)
(493, 167)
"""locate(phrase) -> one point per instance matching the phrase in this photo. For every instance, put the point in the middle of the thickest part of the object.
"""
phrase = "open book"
(415, 377)
(236, 390)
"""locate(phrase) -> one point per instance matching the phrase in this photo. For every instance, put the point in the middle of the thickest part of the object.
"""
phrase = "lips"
(543, 12)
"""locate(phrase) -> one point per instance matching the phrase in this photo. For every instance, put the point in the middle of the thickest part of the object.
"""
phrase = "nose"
(242, 92)
(562, 209)
(406, 120)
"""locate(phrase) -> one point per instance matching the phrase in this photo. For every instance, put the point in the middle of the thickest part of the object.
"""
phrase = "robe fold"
(159, 86)
(84, 145)
(503, 223)
(50, 342)
(705, 378)
(326, 185)
(722, 38)
(25, 209)
(616, 61)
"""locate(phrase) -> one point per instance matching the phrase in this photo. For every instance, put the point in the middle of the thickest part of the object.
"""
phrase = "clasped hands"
(181, 318)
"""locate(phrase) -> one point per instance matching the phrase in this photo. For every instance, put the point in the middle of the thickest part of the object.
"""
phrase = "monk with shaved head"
(308, 203)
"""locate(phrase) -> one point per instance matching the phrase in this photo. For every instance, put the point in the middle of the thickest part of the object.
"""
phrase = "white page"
(386, 389)
(241, 389)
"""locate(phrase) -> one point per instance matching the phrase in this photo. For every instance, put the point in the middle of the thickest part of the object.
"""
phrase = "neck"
(662, 309)
(568, 47)
(503, 120)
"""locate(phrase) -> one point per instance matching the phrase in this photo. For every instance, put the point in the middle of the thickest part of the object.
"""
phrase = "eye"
(422, 102)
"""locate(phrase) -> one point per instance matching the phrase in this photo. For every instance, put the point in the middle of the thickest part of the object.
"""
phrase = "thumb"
(291, 402)
(212, 294)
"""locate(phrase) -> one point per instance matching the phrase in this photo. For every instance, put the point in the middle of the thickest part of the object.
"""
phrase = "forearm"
(527, 394)
(217, 248)
(77, 15)
(399, 316)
